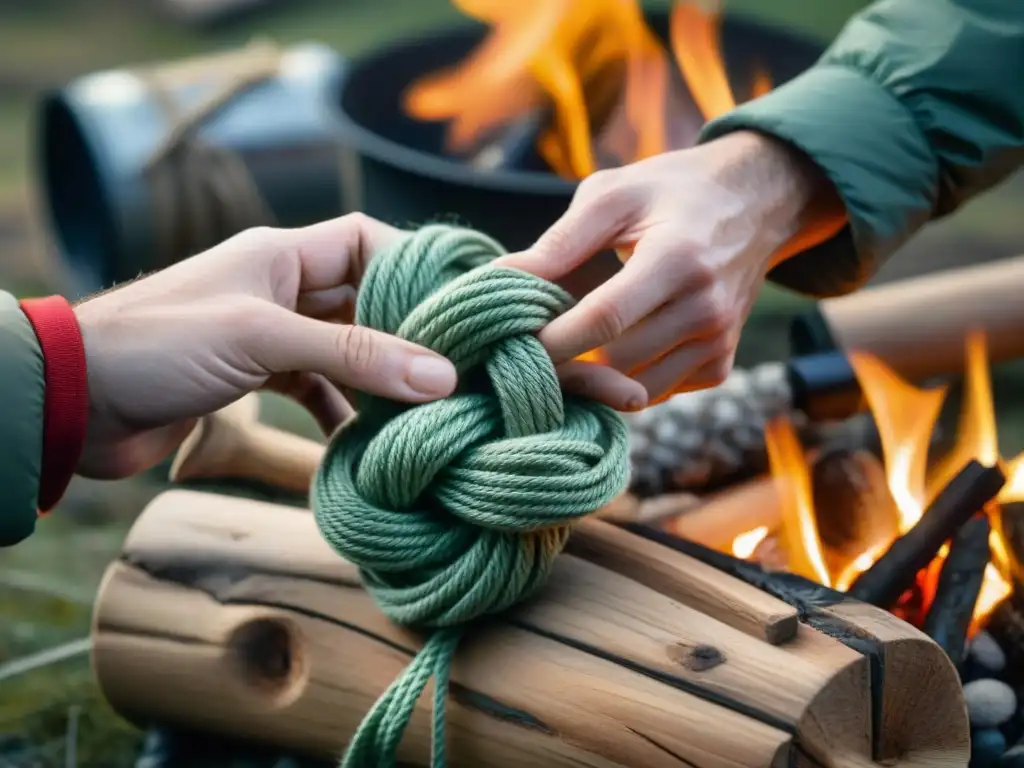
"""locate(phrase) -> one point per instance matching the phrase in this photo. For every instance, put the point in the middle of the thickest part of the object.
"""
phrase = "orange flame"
(580, 59)
(694, 34)
(799, 525)
(905, 416)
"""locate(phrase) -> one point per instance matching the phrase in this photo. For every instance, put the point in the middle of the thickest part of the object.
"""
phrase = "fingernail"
(431, 376)
(635, 404)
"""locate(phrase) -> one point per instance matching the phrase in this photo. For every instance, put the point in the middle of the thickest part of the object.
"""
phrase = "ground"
(48, 583)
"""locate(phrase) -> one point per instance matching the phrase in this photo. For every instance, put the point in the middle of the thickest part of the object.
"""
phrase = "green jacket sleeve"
(916, 107)
(21, 416)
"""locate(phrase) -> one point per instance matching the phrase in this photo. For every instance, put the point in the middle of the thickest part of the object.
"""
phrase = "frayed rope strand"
(456, 509)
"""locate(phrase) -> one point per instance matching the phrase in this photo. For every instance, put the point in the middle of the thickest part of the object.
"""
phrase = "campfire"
(808, 540)
(587, 84)
(901, 527)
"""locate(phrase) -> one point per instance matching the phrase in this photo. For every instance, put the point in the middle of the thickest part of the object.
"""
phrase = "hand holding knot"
(457, 508)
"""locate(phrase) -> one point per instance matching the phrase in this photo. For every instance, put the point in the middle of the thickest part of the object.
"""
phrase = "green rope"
(457, 509)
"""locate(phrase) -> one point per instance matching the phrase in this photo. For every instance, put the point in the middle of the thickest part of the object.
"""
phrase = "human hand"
(267, 308)
(698, 230)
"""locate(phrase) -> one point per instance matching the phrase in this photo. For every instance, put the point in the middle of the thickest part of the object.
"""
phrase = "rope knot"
(456, 509)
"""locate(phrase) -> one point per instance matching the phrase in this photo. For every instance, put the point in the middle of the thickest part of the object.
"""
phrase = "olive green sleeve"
(916, 107)
(22, 390)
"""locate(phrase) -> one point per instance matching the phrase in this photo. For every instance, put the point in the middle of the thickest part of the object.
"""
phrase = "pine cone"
(704, 439)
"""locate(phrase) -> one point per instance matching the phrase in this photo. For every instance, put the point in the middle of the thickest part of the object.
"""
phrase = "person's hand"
(698, 230)
(265, 309)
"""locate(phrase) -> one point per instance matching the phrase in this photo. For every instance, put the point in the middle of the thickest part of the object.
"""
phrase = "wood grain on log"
(234, 616)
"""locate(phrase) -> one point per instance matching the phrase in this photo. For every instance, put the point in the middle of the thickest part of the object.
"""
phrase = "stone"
(987, 653)
(987, 747)
(990, 702)
(1013, 757)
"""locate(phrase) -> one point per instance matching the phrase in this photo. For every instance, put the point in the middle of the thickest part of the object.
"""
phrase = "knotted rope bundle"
(455, 510)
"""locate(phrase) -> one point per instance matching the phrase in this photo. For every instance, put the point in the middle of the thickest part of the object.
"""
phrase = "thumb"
(585, 229)
(353, 356)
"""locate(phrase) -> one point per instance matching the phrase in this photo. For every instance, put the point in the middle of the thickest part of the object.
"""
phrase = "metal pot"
(117, 208)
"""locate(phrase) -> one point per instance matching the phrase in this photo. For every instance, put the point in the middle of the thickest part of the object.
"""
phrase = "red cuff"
(66, 400)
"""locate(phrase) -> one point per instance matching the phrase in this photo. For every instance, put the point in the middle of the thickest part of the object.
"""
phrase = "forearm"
(912, 111)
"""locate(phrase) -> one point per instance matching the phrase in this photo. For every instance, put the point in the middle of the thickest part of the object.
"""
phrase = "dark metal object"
(95, 137)
(824, 386)
(809, 334)
(959, 585)
(894, 572)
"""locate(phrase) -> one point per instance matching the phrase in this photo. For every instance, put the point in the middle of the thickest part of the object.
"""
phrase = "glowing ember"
(745, 544)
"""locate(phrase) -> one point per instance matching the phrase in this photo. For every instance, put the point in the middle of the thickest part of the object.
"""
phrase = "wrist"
(66, 394)
(792, 200)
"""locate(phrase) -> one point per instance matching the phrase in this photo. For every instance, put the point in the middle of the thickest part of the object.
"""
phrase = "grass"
(47, 584)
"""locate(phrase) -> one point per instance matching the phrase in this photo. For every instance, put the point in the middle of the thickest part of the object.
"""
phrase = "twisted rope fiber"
(455, 510)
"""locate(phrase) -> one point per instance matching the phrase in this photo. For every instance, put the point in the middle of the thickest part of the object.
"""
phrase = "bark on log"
(233, 616)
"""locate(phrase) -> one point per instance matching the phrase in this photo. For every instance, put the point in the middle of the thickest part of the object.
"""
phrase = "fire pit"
(408, 168)
(934, 539)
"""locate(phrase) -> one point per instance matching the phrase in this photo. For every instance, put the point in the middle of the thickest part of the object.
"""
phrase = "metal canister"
(141, 167)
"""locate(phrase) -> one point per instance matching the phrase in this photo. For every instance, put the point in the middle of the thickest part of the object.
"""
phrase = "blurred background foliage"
(52, 716)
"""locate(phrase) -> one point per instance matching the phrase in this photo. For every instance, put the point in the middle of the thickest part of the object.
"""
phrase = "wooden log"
(893, 647)
(956, 593)
(722, 516)
(854, 509)
(233, 616)
(893, 573)
(231, 443)
(898, 322)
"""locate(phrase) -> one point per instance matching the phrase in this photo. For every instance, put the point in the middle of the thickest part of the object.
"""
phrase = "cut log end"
(233, 616)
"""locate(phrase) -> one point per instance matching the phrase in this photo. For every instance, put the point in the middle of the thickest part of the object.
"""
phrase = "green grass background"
(47, 584)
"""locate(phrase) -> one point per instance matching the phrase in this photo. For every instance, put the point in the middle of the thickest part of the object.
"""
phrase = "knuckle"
(602, 194)
(258, 238)
(607, 320)
(699, 273)
(357, 220)
(718, 314)
(243, 320)
(718, 370)
(595, 184)
(556, 242)
(356, 347)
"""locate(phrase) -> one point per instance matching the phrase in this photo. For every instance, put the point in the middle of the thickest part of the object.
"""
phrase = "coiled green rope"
(457, 509)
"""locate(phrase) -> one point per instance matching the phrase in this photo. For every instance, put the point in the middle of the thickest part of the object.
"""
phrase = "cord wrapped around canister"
(144, 166)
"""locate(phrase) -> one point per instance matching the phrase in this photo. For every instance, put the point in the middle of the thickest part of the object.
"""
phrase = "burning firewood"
(895, 571)
(854, 509)
(958, 588)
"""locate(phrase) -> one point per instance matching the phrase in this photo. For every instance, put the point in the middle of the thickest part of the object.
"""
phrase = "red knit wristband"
(66, 401)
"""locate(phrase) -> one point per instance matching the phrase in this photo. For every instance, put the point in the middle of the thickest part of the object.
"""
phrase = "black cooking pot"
(325, 137)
